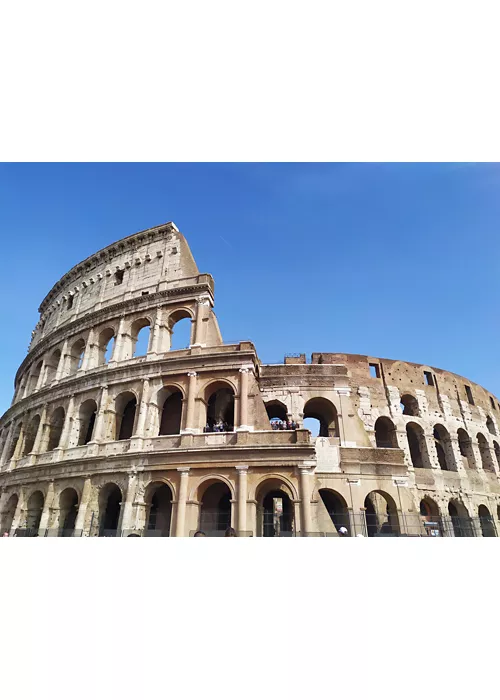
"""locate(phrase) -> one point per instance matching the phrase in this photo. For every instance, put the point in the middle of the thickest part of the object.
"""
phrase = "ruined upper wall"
(143, 263)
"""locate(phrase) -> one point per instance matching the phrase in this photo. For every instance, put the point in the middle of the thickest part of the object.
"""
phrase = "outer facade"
(101, 441)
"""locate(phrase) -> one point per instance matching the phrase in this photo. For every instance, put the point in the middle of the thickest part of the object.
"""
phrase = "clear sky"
(391, 260)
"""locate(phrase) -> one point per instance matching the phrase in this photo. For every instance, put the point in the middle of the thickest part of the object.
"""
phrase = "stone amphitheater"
(102, 439)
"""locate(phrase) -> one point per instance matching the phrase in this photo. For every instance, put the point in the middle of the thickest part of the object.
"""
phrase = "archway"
(215, 509)
(409, 405)
(68, 510)
(140, 332)
(170, 403)
(484, 450)
(110, 500)
(76, 355)
(325, 412)
(490, 425)
(385, 433)
(34, 514)
(276, 411)
(125, 405)
(275, 509)
(8, 513)
(381, 514)
(87, 415)
(30, 437)
(14, 440)
(52, 365)
(106, 344)
(431, 517)
(159, 507)
(460, 519)
(220, 408)
(496, 447)
(486, 521)
(418, 447)
(336, 508)
(466, 450)
(56, 425)
(444, 449)
(181, 333)
(34, 377)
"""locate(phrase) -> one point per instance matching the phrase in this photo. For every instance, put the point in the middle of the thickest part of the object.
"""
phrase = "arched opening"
(159, 502)
(8, 513)
(52, 365)
(431, 518)
(110, 500)
(87, 416)
(106, 344)
(496, 447)
(443, 447)
(381, 515)
(141, 336)
(125, 406)
(180, 330)
(276, 412)
(486, 521)
(14, 440)
(215, 509)
(466, 450)
(460, 519)
(490, 425)
(68, 510)
(484, 451)
(417, 445)
(34, 514)
(34, 377)
(325, 413)
(170, 403)
(275, 509)
(385, 433)
(76, 356)
(30, 437)
(220, 409)
(336, 508)
(56, 425)
(409, 405)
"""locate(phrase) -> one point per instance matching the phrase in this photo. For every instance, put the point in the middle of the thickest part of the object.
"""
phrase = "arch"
(34, 377)
(220, 407)
(385, 433)
(110, 499)
(106, 343)
(158, 498)
(76, 355)
(496, 448)
(14, 440)
(170, 407)
(30, 436)
(34, 512)
(181, 327)
(417, 445)
(490, 425)
(460, 519)
(409, 405)
(276, 410)
(444, 449)
(431, 517)
(52, 365)
(9, 512)
(325, 412)
(68, 510)
(381, 514)
(466, 450)
(125, 408)
(274, 482)
(215, 507)
(56, 424)
(336, 507)
(486, 522)
(275, 510)
(484, 451)
(140, 333)
(87, 417)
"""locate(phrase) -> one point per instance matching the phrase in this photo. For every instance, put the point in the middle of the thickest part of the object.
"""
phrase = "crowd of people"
(219, 427)
(230, 532)
(278, 424)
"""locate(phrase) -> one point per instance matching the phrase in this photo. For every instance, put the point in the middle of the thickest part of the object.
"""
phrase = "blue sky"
(390, 260)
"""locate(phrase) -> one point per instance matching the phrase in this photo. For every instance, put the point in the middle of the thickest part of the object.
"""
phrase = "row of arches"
(319, 416)
(385, 436)
(101, 347)
(67, 509)
(409, 407)
(462, 524)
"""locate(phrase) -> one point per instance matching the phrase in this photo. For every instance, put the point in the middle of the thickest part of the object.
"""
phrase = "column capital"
(242, 468)
(192, 374)
(306, 470)
(245, 369)
(184, 471)
(203, 301)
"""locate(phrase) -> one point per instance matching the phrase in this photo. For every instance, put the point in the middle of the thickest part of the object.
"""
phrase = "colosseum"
(103, 439)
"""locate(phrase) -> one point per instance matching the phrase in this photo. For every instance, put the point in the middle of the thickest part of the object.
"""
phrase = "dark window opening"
(70, 302)
(429, 379)
(469, 394)
(374, 370)
(492, 403)
(119, 276)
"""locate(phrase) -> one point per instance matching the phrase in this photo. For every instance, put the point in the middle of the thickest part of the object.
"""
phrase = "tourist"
(199, 533)
(5, 534)
(343, 531)
(230, 532)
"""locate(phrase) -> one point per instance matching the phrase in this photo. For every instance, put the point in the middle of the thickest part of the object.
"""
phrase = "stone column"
(457, 456)
(82, 508)
(181, 502)
(47, 506)
(119, 341)
(143, 409)
(19, 515)
(99, 429)
(242, 496)
(126, 515)
(6, 445)
(19, 444)
(88, 358)
(41, 429)
(156, 332)
(68, 424)
(41, 377)
(305, 496)
(191, 398)
(200, 328)
(61, 367)
(243, 408)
